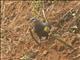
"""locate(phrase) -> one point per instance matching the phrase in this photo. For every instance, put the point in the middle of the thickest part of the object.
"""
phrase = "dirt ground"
(17, 42)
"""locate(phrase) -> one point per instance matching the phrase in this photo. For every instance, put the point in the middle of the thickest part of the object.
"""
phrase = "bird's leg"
(40, 38)
(47, 37)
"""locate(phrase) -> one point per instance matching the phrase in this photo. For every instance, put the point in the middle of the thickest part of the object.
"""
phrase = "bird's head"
(33, 19)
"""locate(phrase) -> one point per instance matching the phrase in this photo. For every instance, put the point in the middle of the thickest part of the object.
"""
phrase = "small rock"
(45, 52)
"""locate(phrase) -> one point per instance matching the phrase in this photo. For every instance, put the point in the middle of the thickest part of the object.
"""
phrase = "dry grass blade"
(33, 37)
(60, 40)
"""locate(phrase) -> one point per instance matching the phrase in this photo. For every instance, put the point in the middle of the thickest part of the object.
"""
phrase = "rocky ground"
(17, 42)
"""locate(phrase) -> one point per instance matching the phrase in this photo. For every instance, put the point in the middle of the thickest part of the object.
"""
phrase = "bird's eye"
(34, 20)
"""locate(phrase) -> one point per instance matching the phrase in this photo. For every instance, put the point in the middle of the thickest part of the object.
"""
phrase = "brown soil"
(16, 40)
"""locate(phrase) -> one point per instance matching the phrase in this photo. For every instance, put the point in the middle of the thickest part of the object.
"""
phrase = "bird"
(41, 28)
